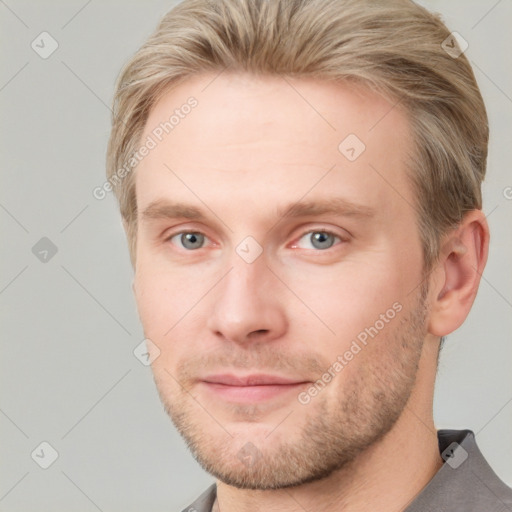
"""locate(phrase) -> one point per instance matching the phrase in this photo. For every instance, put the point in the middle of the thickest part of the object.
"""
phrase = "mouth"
(250, 388)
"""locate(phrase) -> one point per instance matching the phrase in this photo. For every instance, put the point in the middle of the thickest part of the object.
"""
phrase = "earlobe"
(462, 261)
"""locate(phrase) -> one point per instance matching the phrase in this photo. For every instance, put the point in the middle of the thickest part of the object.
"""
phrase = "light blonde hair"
(394, 47)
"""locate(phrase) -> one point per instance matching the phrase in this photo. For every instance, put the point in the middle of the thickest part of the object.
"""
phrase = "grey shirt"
(464, 483)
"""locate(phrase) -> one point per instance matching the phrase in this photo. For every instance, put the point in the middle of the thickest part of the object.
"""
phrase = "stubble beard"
(331, 436)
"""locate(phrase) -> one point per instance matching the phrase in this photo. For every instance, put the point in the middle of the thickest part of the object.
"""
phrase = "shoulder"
(465, 481)
(204, 502)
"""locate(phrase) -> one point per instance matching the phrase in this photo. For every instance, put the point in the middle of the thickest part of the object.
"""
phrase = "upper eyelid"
(328, 231)
(182, 232)
(196, 231)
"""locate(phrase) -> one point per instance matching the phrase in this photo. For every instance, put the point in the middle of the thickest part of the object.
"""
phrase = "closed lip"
(251, 380)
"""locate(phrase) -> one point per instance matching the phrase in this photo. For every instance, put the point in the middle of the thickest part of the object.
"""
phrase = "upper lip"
(259, 379)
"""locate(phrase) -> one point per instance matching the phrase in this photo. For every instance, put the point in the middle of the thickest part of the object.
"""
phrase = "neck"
(387, 476)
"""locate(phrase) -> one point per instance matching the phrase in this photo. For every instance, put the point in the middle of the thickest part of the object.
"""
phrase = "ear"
(455, 280)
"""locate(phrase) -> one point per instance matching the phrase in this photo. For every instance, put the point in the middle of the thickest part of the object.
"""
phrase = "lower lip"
(252, 393)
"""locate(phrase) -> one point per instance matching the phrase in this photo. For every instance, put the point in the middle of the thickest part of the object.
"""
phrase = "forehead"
(234, 100)
(249, 137)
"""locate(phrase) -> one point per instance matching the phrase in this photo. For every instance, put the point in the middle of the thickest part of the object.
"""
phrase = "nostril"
(259, 332)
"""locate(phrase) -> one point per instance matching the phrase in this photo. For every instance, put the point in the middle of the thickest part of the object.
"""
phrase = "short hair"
(395, 48)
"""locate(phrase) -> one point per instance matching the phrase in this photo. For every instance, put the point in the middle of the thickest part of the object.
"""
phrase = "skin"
(251, 147)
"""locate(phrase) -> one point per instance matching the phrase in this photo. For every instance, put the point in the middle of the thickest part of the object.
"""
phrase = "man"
(299, 181)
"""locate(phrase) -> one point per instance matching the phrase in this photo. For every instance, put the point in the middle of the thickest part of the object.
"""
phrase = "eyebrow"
(334, 205)
(164, 209)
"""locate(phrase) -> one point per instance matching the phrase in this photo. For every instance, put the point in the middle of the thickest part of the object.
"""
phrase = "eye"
(188, 240)
(317, 240)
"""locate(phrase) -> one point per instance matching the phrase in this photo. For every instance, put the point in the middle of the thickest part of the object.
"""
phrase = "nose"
(248, 306)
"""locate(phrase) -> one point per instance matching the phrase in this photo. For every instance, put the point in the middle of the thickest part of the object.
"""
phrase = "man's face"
(288, 343)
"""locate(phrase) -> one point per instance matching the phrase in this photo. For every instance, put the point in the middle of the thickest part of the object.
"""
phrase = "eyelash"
(308, 232)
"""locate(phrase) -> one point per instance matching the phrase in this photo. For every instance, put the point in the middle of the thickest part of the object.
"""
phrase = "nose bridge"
(246, 283)
(246, 302)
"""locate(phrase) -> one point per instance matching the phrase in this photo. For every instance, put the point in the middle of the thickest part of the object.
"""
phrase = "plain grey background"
(69, 323)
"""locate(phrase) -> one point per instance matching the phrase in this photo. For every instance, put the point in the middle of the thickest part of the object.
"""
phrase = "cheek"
(358, 311)
(346, 298)
(157, 303)
(169, 303)
(156, 300)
